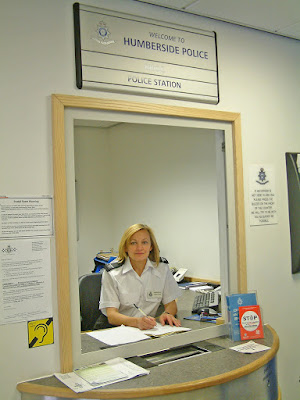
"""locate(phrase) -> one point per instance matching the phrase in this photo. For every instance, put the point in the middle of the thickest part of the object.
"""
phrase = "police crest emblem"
(102, 33)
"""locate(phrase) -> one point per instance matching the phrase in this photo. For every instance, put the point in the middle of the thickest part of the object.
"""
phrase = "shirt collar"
(127, 267)
(151, 264)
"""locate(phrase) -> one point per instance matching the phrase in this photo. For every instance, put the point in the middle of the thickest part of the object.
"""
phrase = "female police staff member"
(132, 292)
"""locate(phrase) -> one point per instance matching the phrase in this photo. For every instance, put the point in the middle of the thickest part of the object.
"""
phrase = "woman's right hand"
(146, 323)
(115, 318)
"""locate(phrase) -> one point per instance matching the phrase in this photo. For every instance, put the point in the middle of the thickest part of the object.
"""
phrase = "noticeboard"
(126, 53)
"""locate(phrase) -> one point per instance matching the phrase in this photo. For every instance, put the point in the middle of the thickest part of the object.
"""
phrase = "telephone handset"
(178, 276)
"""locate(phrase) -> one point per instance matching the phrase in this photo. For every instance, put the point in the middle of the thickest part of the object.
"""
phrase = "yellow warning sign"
(40, 332)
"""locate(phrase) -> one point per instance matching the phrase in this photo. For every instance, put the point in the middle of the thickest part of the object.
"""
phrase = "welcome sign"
(126, 53)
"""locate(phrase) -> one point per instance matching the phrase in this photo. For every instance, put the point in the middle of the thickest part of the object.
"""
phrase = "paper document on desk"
(127, 334)
(119, 335)
(160, 330)
(98, 375)
(250, 347)
(189, 285)
(201, 288)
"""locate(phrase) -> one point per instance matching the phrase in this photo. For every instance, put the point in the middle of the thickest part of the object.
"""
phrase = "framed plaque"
(126, 53)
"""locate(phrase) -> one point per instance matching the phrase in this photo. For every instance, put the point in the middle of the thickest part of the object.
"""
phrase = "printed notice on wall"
(263, 210)
(25, 280)
(25, 217)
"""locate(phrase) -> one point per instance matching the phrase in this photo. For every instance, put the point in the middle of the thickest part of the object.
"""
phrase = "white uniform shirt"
(122, 287)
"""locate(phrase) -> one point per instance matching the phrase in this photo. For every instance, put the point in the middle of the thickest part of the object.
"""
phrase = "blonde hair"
(154, 253)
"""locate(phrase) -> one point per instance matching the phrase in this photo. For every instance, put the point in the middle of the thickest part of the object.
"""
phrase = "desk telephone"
(178, 275)
(205, 300)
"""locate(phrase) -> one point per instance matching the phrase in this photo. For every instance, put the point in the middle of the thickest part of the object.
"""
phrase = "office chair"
(89, 296)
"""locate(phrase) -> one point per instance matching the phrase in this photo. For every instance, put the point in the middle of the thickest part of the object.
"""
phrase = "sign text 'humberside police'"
(122, 52)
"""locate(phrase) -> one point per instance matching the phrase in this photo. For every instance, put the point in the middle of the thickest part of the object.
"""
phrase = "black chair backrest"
(89, 296)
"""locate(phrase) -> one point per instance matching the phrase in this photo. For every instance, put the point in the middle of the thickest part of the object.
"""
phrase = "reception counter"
(220, 374)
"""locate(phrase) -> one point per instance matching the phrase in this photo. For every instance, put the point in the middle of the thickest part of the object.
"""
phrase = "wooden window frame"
(59, 104)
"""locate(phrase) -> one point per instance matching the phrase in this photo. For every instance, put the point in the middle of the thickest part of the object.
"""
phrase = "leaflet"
(250, 347)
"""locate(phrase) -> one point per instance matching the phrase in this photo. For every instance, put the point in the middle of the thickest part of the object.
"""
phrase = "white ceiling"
(281, 17)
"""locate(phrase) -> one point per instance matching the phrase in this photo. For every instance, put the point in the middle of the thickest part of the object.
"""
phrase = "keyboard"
(205, 300)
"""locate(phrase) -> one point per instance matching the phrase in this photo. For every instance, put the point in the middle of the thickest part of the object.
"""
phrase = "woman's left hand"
(169, 319)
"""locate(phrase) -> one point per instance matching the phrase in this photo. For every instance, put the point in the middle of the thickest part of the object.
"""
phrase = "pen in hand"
(140, 310)
(149, 322)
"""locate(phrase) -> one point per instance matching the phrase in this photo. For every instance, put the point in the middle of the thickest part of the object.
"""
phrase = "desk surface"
(185, 304)
(184, 375)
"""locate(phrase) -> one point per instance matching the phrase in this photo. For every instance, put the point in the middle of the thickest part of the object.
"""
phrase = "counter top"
(201, 371)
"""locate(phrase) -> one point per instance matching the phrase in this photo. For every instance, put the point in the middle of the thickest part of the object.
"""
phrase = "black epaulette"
(113, 265)
(163, 260)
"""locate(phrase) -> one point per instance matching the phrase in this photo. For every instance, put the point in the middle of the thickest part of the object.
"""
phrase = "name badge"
(154, 294)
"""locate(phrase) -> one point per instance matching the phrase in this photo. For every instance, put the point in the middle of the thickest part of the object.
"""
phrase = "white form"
(95, 376)
(100, 374)
(160, 330)
(119, 335)
(127, 334)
